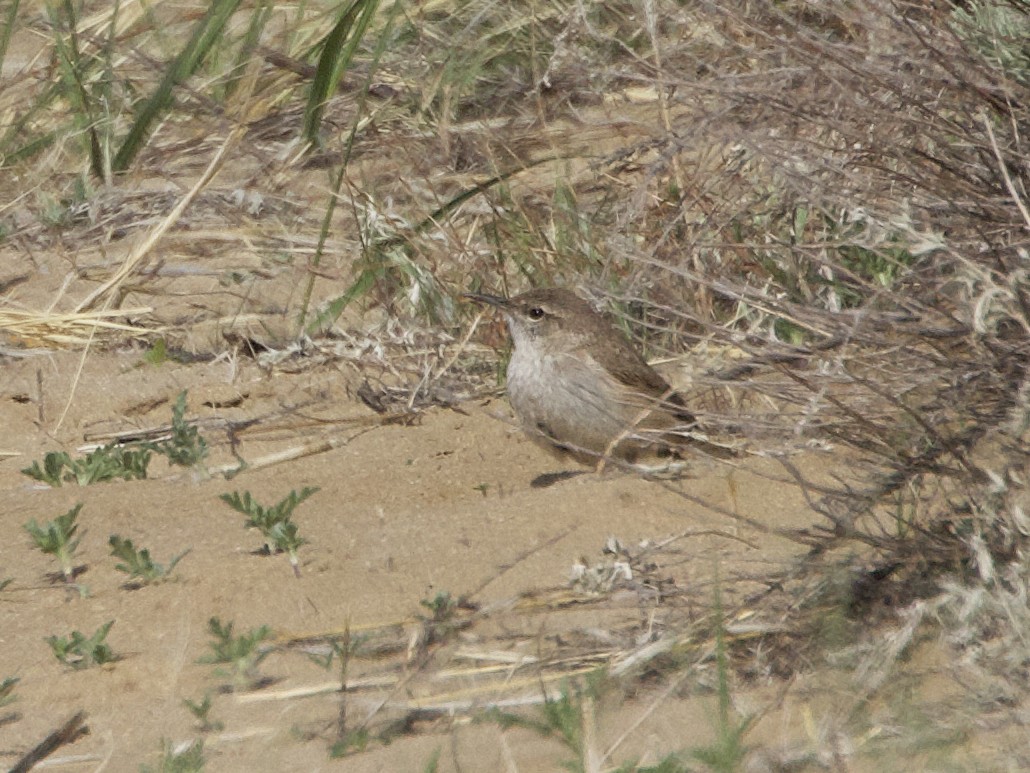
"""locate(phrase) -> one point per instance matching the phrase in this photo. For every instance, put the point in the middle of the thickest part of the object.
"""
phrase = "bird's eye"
(536, 313)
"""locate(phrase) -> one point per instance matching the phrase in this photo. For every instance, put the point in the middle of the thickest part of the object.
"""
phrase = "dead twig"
(67, 733)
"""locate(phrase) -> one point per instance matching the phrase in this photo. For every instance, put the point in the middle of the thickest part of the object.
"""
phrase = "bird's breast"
(567, 398)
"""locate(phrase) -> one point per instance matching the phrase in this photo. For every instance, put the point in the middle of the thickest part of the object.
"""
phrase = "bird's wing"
(626, 364)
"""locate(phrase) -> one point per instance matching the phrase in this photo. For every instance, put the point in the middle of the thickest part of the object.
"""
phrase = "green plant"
(564, 718)
(202, 713)
(336, 55)
(561, 718)
(7, 690)
(110, 462)
(998, 31)
(245, 52)
(443, 620)
(433, 763)
(285, 538)
(242, 653)
(186, 447)
(76, 83)
(8, 28)
(142, 570)
(105, 463)
(188, 760)
(57, 538)
(50, 472)
(205, 35)
(274, 522)
(343, 648)
(157, 353)
(352, 743)
(338, 50)
(53, 213)
(80, 651)
(160, 352)
(442, 606)
(726, 753)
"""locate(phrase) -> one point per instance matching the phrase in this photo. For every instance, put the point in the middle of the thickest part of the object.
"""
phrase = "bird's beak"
(491, 300)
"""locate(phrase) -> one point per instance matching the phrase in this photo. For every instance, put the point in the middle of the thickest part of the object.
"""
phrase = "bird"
(580, 389)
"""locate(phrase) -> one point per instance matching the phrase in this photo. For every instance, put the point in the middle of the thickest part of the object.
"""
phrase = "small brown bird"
(580, 388)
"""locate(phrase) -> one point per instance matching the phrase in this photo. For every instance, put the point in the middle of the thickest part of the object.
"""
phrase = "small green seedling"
(105, 463)
(443, 620)
(142, 570)
(186, 447)
(201, 711)
(285, 539)
(242, 653)
(80, 651)
(560, 718)
(442, 606)
(157, 353)
(111, 462)
(184, 760)
(57, 538)
(7, 690)
(433, 763)
(341, 648)
(50, 473)
(354, 742)
(274, 522)
(729, 750)
(264, 518)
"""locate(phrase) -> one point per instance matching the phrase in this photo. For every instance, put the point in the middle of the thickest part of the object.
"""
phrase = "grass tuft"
(338, 50)
(206, 35)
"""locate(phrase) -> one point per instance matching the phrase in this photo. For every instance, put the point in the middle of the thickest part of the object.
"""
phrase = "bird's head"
(554, 315)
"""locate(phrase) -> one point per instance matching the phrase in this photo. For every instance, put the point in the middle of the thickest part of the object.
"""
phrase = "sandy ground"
(403, 513)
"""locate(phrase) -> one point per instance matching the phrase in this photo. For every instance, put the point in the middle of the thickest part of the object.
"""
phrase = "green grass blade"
(368, 276)
(34, 146)
(258, 22)
(105, 95)
(206, 34)
(74, 67)
(18, 129)
(5, 35)
(365, 281)
(337, 52)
